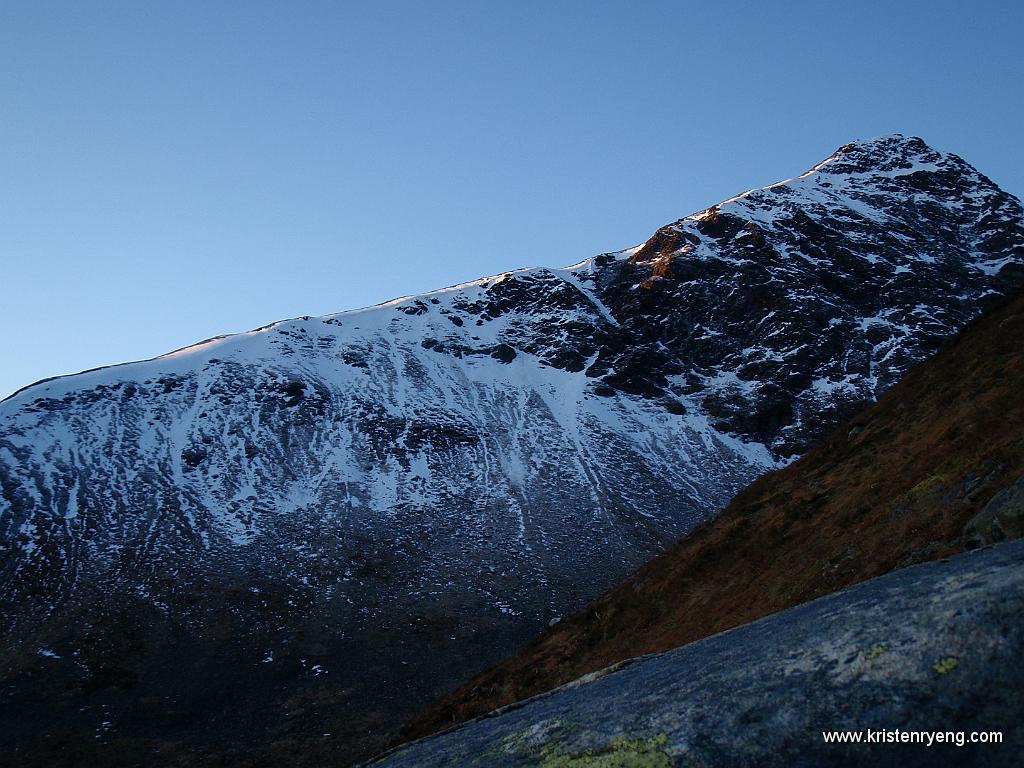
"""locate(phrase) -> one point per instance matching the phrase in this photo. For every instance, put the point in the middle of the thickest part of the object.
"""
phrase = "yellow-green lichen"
(946, 665)
(877, 650)
(542, 733)
(927, 488)
(620, 752)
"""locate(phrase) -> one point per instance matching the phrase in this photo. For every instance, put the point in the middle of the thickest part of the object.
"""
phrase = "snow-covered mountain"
(419, 486)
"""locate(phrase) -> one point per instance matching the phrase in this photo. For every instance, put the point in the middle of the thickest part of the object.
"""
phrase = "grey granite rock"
(1001, 519)
(935, 647)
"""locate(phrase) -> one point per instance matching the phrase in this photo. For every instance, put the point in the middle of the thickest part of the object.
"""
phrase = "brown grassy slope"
(893, 486)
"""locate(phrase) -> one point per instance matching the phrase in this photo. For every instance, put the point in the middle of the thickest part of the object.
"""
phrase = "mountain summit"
(403, 494)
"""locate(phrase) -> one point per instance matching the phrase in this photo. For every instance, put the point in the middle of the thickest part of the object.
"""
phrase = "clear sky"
(174, 170)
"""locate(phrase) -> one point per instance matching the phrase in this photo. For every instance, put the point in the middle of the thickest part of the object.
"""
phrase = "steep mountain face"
(789, 307)
(934, 467)
(403, 494)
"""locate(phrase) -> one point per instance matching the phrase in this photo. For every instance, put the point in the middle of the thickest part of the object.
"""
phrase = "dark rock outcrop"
(1001, 519)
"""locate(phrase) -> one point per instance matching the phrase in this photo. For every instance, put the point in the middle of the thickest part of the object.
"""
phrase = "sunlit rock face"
(405, 493)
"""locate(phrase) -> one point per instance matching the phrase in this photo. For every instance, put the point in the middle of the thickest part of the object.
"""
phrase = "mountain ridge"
(637, 253)
(327, 502)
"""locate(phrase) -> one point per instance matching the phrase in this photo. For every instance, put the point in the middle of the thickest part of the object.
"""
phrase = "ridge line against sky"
(172, 173)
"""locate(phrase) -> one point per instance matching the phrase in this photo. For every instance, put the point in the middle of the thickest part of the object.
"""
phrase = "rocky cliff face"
(406, 492)
(934, 467)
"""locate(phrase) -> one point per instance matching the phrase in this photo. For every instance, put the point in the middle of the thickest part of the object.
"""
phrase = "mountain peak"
(885, 154)
(896, 182)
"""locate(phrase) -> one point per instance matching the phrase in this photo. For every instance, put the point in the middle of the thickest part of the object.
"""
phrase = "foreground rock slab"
(934, 647)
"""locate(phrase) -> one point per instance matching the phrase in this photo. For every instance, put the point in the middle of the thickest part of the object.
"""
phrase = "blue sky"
(171, 171)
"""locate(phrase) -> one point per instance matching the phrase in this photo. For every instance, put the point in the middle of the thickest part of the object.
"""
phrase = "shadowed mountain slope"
(935, 466)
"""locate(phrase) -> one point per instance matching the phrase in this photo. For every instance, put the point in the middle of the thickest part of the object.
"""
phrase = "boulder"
(930, 649)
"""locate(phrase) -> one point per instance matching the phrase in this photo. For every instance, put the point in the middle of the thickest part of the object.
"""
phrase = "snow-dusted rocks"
(406, 492)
